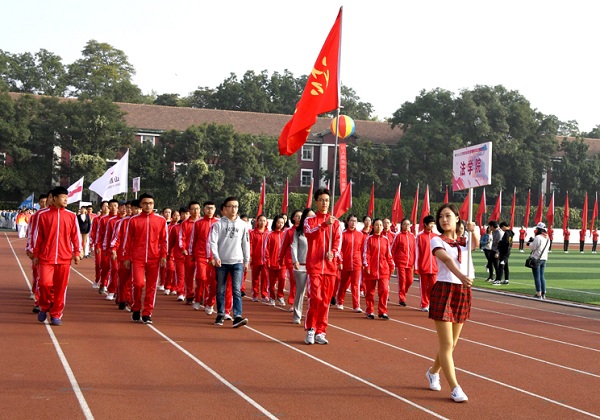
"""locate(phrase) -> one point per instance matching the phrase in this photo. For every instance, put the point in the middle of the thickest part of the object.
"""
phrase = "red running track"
(517, 358)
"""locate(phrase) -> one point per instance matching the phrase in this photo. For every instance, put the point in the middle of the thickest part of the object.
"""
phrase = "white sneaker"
(265, 300)
(458, 395)
(173, 292)
(296, 321)
(110, 296)
(425, 309)
(362, 294)
(281, 301)
(32, 296)
(167, 292)
(161, 288)
(434, 380)
(310, 337)
(209, 310)
(272, 302)
(358, 310)
(340, 307)
(196, 306)
(320, 339)
(228, 317)
(180, 298)
(95, 285)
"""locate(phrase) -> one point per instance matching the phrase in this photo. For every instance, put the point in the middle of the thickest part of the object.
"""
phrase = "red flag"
(512, 209)
(527, 209)
(446, 196)
(321, 93)
(344, 203)
(594, 213)
(310, 194)
(566, 213)
(481, 210)
(261, 200)
(550, 212)
(497, 208)
(584, 213)
(425, 210)
(464, 209)
(343, 167)
(540, 209)
(284, 202)
(397, 212)
(371, 209)
(415, 207)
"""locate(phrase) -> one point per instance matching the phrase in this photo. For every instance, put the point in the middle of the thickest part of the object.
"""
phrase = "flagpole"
(470, 234)
(335, 157)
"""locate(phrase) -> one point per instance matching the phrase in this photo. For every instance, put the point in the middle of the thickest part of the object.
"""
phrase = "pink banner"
(343, 168)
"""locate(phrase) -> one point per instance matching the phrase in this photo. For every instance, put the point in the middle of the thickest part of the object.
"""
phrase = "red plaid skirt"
(450, 302)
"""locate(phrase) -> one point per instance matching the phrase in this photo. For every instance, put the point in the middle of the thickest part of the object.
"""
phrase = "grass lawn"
(573, 276)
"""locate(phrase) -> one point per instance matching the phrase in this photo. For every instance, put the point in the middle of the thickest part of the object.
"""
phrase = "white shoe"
(228, 317)
(296, 321)
(458, 395)
(167, 292)
(95, 285)
(320, 339)
(32, 296)
(196, 306)
(272, 302)
(173, 292)
(102, 290)
(161, 288)
(434, 380)
(425, 309)
(362, 294)
(254, 299)
(358, 310)
(265, 300)
(110, 296)
(209, 310)
(310, 337)
(180, 298)
(281, 301)
(340, 307)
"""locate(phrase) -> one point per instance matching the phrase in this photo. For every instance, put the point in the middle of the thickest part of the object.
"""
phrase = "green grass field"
(573, 277)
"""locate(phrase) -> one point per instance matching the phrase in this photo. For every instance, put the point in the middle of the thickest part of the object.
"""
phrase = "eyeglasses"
(233, 207)
(147, 203)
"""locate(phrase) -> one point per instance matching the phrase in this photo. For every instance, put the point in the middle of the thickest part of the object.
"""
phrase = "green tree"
(41, 73)
(575, 172)
(352, 105)
(167, 99)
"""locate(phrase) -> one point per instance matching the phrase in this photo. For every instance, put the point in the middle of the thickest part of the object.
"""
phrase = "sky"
(391, 49)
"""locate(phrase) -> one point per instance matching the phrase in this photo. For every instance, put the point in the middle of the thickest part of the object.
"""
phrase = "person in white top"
(450, 302)
(540, 246)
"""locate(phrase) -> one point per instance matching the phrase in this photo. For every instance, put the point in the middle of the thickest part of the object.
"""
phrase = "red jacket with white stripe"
(426, 263)
(403, 249)
(273, 249)
(352, 247)
(199, 246)
(377, 258)
(258, 240)
(317, 234)
(56, 236)
(146, 238)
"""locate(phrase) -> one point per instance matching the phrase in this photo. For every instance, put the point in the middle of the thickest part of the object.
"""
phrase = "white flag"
(114, 181)
(75, 192)
(136, 184)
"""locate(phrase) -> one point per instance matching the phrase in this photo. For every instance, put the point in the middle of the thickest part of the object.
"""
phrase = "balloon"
(346, 126)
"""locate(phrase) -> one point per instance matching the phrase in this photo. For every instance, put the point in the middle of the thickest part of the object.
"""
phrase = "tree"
(104, 71)
(353, 107)
(594, 134)
(167, 99)
(575, 172)
(41, 73)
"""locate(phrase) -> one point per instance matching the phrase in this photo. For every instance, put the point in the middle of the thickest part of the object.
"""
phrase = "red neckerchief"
(462, 241)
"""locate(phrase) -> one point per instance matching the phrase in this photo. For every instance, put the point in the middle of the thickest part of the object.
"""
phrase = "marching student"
(97, 250)
(299, 249)
(230, 248)
(117, 246)
(185, 238)
(450, 303)
(111, 230)
(145, 252)
(260, 279)
(178, 285)
(102, 245)
(168, 274)
(206, 276)
(55, 244)
(379, 265)
(403, 252)
(425, 262)
(324, 235)
(44, 201)
(285, 255)
(351, 266)
(273, 262)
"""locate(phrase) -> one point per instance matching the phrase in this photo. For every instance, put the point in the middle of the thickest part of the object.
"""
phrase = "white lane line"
(357, 378)
(74, 384)
(216, 375)
(471, 373)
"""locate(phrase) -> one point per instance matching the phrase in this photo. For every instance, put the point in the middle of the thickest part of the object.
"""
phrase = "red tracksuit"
(104, 254)
(206, 276)
(146, 244)
(321, 272)
(260, 280)
(286, 260)
(55, 242)
(168, 273)
(426, 265)
(378, 263)
(113, 277)
(403, 253)
(124, 275)
(351, 255)
(276, 270)
(185, 236)
(178, 261)
(97, 251)
(29, 249)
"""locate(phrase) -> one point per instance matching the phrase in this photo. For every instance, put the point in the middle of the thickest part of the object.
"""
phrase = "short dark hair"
(227, 200)
(165, 208)
(113, 200)
(183, 209)
(59, 191)
(208, 203)
(192, 203)
(321, 191)
(146, 195)
(503, 224)
(428, 219)
(42, 196)
(136, 203)
(493, 224)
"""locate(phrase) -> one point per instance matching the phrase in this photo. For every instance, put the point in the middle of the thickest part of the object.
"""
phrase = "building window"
(306, 177)
(145, 138)
(307, 153)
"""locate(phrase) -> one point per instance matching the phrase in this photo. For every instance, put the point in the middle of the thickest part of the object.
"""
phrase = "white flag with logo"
(114, 181)
(75, 192)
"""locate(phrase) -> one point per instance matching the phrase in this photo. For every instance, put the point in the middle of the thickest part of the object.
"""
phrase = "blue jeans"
(237, 272)
(538, 277)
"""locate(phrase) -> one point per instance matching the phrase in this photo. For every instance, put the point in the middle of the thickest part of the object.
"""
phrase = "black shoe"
(537, 296)
(243, 294)
(504, 282)
(147, 319)
(36, 309)
(135, 316)
(219, 320)
(189, 301)
(238, 321)
(333, 301)
(371, 316)
(122, 306)
(402, 303)
(385, 317)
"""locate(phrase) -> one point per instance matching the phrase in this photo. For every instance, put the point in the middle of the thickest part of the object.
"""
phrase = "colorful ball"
(346, 126)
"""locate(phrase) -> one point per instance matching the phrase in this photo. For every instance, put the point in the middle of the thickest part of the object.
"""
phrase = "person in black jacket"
(504, 247)
(85, 224)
